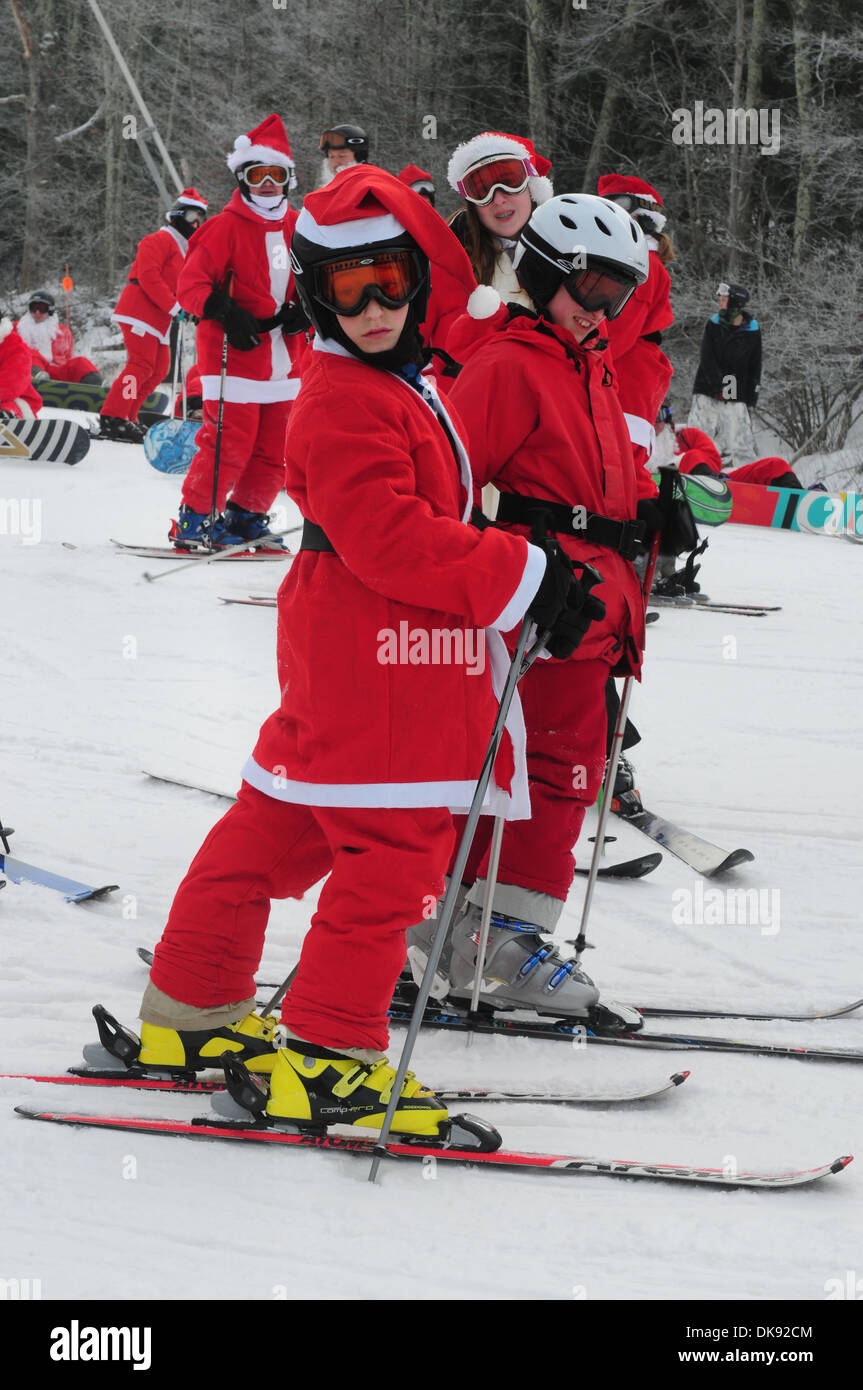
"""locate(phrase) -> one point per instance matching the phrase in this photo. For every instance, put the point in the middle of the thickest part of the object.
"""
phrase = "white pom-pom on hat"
(242, 142)
(484, 302)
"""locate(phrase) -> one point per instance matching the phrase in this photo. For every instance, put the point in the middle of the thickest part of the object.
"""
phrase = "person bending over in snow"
(355, 775)
(52, 345)
(144, 312)
(18, 395)
(238, 282)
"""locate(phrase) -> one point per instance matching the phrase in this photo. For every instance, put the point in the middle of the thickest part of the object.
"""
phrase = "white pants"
(729, 426)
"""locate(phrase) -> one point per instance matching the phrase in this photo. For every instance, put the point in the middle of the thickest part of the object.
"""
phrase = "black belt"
(315, 538)
(622, 536)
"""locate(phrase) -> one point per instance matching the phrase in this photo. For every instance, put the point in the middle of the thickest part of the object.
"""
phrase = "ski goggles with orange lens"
(256, 174)
(390, 277)
(505, 172)
(599, 289)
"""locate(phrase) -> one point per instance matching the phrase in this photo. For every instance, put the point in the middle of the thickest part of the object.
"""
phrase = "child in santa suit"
(52, 345)
(144, 312)
(642, 370)
(356, 773)
(238, 282)
(545, 426)
(18, 395)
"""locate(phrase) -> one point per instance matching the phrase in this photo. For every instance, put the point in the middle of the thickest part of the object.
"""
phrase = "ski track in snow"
(751, 736)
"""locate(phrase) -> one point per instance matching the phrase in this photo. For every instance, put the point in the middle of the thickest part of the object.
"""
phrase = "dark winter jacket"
(728, 351)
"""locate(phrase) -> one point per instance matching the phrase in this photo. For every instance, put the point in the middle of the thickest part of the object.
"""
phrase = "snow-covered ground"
(752, 733)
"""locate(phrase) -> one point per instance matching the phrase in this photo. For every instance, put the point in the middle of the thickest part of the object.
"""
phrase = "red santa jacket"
(149, 301)
(642, 368)
(695, 447)
(385, 671)
(246, 254)
(544, 420)
(18, 395)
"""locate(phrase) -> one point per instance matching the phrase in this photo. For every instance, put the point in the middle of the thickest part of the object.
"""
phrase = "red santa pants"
(565, 718)
(386, 868)
(251, 459)
(73, 369)
(148, 361)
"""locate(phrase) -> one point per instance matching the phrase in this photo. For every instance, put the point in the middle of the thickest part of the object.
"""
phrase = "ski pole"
(485, 923)
(448, 908)
(177, 330)
(218, 450)
(616, 745)
(213, 555)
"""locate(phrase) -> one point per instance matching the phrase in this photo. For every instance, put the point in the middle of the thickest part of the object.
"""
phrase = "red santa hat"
(610, 184)
(411, 175)
(191, 198)
(365, 204)
(495, 142)
(266, 144)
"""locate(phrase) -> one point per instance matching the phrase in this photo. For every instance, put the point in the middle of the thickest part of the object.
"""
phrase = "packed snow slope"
(752, 732)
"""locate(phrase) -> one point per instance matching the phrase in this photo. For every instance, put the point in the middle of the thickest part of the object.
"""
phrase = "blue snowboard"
(170, 445)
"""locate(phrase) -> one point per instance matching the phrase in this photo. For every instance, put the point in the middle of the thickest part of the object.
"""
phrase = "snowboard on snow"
(50, 441)
(71, 395)
(170, 445)
(714, 500)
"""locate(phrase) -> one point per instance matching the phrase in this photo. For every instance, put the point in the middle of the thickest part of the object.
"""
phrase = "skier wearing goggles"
(501, 179)
(545, 426)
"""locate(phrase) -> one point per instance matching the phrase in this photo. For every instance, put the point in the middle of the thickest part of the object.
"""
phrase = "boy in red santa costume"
(51, 343)
(238, 282)
(144, 312)
(642, 369)
(356, 773)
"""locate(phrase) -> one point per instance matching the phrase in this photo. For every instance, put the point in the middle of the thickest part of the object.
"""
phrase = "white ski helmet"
(577, 232)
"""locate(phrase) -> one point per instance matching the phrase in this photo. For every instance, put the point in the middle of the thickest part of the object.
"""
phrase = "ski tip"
(838, 1164)
(732, 861)
(679, 1077)
(145, 955)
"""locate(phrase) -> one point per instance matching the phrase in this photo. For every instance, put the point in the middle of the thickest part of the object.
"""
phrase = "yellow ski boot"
(252, 1040)
(312, 1087)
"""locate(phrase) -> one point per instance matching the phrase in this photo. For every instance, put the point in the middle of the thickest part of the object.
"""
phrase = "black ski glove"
(563, 603)
(240, 324)
(676, 524)
(292, 317)
(650, 512)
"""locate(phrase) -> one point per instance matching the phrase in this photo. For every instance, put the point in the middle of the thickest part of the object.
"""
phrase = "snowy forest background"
(594, 83)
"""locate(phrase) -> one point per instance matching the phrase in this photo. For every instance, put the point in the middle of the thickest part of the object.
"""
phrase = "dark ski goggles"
(390, 277)
(256, 174)
(507, 173)
(350, 142)
(599, 289)
(41, 307)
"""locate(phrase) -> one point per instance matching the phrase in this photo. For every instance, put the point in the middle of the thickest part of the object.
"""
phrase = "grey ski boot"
(419, 944)
(523, 970)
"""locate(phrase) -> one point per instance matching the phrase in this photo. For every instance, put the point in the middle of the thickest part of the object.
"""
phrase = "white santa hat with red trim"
(495, 142)
(266, 144)
(365, 205)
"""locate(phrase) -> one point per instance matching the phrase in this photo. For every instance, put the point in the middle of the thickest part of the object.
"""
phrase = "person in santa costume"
(642, 369)
(18, 395)
(144, 312)
(545, 425)
(417, 179)
(51, 343)
(375, 741)
(342, 146)
(501, 179)
(237, 281)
